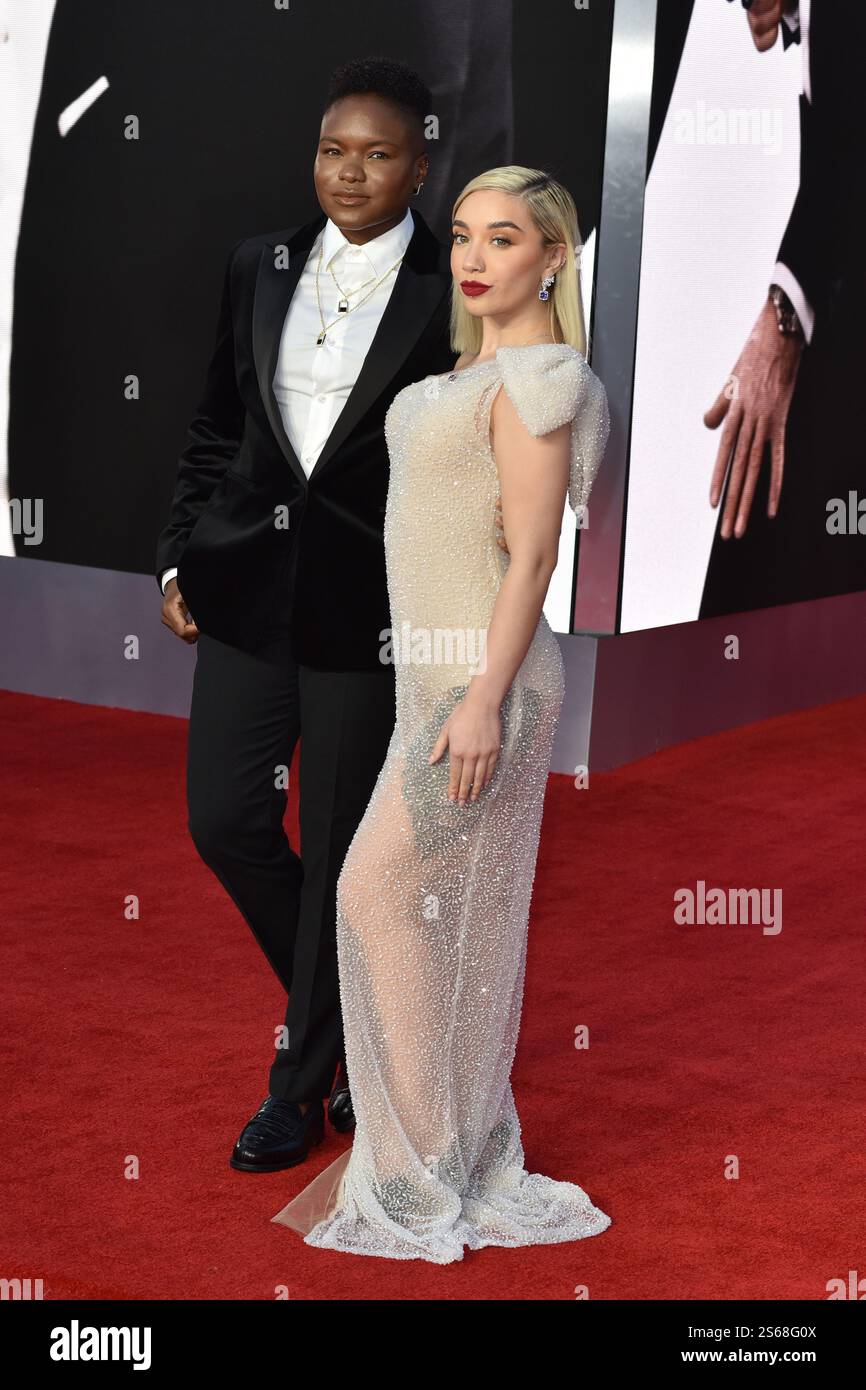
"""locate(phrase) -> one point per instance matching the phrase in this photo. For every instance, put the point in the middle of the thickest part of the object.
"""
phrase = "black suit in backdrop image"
(797, 554)
(793, 555)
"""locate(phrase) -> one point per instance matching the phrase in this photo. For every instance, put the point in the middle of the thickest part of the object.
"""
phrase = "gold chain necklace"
(344, 313)
(343, 305)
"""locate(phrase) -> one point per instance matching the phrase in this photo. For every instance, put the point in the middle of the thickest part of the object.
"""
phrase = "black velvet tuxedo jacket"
(255, 541)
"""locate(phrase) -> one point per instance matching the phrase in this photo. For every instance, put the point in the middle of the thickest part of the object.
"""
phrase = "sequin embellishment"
(433, 898)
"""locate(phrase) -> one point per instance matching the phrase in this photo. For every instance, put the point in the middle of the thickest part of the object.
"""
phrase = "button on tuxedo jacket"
(256, 542)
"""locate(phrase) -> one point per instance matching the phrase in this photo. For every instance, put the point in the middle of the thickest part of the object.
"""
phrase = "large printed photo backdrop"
(754, 176)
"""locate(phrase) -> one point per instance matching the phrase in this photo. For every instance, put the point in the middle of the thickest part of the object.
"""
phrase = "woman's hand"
(176, 616)
(472, 733)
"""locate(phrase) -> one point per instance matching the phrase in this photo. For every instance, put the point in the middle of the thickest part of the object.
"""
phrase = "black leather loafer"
(278, 1136)
(340, 1110)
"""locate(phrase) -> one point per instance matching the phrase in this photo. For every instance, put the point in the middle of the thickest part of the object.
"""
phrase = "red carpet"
(147, 1042)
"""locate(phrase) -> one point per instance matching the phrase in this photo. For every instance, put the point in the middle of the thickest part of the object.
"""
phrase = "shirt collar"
(381, 252)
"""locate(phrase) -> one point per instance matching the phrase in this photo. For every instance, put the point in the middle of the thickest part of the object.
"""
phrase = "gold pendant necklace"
(344, 312)
(343, 302)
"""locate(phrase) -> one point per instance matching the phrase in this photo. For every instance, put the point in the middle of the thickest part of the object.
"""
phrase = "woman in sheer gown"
(433, 898)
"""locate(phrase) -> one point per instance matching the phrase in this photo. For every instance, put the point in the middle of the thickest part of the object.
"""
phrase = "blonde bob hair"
(553, 212)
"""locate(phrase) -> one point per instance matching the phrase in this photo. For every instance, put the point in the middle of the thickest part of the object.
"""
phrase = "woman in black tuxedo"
(280, 559)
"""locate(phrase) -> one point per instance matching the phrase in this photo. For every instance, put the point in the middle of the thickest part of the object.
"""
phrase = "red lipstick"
(473, 288)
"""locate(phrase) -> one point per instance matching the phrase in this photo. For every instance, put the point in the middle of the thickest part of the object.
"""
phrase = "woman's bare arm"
(533, 477)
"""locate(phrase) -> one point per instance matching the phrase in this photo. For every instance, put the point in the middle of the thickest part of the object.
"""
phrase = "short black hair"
(389, 79)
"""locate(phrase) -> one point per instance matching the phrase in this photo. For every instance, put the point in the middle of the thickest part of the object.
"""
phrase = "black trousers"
(248, 711)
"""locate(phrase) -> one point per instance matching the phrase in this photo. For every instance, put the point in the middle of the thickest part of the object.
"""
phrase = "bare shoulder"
(464, 360)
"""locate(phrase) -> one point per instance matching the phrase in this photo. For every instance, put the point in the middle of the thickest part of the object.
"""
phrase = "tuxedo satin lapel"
(417, 292)
(274, 290)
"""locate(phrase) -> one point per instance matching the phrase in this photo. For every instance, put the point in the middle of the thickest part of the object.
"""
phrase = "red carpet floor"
(143, 1046)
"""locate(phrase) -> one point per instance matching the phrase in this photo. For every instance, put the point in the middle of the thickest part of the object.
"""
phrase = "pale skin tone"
(756, 398)
(496, 242)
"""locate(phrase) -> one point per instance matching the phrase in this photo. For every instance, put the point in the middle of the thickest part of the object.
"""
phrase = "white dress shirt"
(782, 276)
(312, 382)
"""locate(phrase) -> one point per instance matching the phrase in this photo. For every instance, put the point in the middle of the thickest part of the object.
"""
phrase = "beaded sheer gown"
(433, 898)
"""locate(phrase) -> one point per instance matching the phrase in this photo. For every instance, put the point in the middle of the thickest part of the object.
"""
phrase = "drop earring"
(417, 190)
(544, 292)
